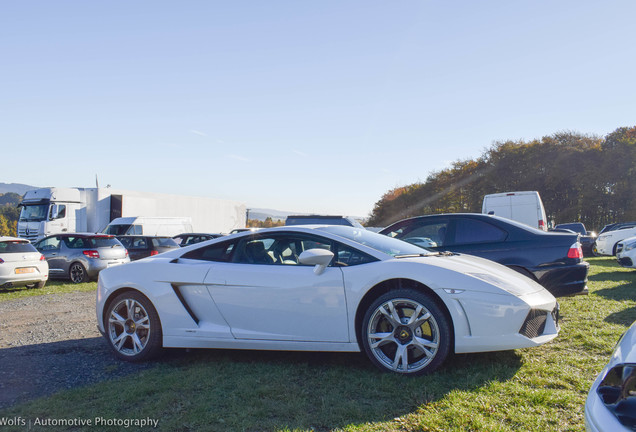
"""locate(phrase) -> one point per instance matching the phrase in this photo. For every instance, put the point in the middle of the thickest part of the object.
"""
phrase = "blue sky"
(307, 106)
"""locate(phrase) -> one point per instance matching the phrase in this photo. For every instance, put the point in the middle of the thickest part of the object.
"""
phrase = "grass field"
(538, 389)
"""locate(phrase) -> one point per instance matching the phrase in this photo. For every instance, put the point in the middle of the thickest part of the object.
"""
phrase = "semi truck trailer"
(53, 210)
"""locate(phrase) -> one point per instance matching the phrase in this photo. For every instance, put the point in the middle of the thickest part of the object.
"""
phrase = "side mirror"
(320, 258)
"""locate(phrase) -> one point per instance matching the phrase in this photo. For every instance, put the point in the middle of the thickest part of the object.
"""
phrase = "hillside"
(17, 188)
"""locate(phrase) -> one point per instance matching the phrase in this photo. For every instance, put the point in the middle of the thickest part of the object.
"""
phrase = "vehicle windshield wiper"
(411, 255)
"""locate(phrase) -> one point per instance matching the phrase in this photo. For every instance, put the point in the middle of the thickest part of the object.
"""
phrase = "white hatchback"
(21, 264)
(626, 252)
(607, 242)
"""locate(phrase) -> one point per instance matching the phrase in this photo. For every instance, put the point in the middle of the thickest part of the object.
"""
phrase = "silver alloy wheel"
(403, 335)
(129, 327)
(77, 273)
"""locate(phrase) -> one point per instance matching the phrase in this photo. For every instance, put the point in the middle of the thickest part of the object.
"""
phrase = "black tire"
(132, 327)
(389, 332)
(37, 285)
(77, 273)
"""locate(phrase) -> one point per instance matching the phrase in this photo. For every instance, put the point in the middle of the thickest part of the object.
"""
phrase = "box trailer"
(52, 210)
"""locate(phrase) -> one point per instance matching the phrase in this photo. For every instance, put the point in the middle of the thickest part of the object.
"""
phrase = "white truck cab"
(48, 211)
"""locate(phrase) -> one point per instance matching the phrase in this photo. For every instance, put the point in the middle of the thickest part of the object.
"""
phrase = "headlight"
(617, 390)
(629, 246)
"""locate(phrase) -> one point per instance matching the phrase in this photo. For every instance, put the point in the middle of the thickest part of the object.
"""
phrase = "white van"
(150, 226)
(525, 207)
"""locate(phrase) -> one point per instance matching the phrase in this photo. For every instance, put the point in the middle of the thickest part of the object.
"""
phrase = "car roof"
(14, 239)
(481, 216)
(81, 234)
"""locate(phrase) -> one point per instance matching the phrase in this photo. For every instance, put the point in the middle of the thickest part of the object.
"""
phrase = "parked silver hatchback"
(81, 256)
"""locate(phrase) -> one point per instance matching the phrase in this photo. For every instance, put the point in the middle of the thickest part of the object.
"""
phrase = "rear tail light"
(154, 253)
(1, 260)
(42, 257)
(542, 225)
(126, 252)
(91, 253)
(575, 251)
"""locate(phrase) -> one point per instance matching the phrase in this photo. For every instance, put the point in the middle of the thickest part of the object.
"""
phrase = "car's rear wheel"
(405, 331)
(77, 273)
(133, 329)
(37, 285)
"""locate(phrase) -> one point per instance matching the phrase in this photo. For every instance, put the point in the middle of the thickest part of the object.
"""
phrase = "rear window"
(104, 242)
(164, 242)
(16, 247)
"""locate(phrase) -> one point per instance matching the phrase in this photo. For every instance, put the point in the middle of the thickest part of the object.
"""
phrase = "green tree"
(5, 229)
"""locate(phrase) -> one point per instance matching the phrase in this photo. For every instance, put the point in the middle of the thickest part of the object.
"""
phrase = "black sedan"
(586, 239)
(140, 246)
(555, 260)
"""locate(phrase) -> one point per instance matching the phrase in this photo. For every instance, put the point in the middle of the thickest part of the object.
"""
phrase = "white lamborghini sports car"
(322, 288)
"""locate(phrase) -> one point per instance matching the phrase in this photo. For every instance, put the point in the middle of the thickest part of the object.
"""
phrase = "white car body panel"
(626, 252)
(280, 307)
(606, 241)
(598, 418)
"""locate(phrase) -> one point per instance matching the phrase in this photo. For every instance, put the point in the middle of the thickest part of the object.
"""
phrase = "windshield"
(379, 242)
(34, 213)
(118, 229)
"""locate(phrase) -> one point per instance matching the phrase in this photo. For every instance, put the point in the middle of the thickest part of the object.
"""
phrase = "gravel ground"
(50, 343)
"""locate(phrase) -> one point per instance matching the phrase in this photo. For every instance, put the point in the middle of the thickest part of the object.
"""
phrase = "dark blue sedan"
(555, 260)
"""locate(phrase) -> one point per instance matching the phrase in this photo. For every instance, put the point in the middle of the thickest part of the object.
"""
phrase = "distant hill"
(262, 214)
(17, 188)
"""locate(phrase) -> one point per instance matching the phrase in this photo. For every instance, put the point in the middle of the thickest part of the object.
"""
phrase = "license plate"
(24, 270)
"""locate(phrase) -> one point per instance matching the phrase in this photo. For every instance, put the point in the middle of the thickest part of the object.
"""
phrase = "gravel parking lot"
(50, 343)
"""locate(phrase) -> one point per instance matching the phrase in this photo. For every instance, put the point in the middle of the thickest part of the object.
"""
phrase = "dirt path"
(50, 343)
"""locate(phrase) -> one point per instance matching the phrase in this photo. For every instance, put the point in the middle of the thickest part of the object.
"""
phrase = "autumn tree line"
(9, 213)
(580, 177)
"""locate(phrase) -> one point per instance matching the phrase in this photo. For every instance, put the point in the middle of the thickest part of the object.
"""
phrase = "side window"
(349, 257)
(126, 241)
(75, 242)
(424, 234)
(139, 243)
(476, 231)
(49, 244)
(279, 249)
(221, 252)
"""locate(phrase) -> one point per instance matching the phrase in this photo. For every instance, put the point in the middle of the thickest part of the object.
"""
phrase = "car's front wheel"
(133, 329)
(405, 331)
